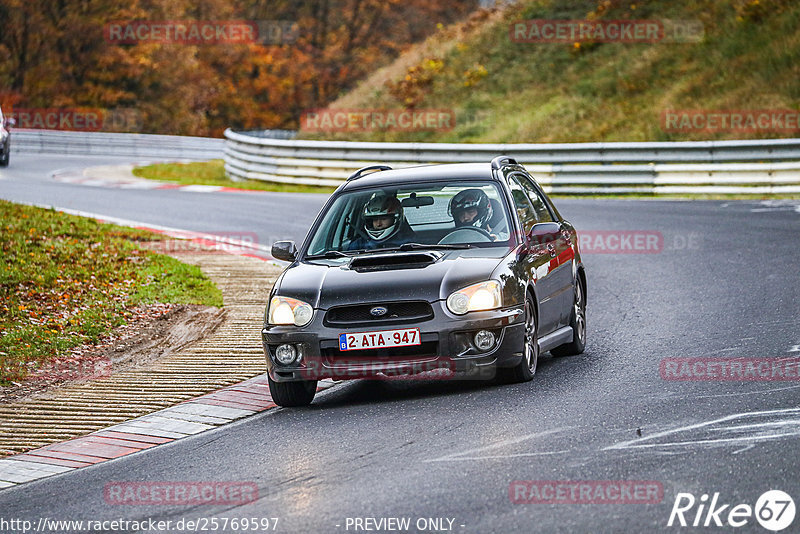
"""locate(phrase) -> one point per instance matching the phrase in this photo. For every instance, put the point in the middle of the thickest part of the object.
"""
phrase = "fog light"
(285, 354)
(484, 340)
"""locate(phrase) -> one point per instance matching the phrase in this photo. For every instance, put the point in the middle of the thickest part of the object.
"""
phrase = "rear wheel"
(6, 156)
(526, 368)
(292, 393)
(578, 324)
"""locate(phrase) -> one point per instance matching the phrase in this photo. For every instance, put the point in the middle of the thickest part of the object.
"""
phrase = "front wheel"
(4, 159)
(290, 394)
(526, 368)
(578, 324)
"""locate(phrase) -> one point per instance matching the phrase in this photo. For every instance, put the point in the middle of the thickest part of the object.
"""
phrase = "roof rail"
(499, 161)
(360, 172)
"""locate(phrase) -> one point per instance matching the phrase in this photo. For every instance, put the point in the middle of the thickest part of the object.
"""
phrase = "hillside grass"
(507, 92)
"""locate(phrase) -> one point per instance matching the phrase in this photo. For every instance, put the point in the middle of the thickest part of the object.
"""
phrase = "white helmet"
(382, 206)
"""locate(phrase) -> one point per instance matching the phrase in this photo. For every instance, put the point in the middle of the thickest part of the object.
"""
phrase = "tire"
(6, 157)
(290, 394)
(526, 368)
(578, 324)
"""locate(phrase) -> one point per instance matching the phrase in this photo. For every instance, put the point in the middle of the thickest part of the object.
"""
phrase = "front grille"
(416, 311)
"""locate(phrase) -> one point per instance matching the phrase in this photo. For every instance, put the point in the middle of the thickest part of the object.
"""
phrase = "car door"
(537, 259)
(560, 250)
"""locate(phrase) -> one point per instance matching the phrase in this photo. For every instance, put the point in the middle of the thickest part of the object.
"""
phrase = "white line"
(512, 441)
(636, 443)
(499, 456)
(795, 422)
(777, 208)
(741, 394)
(745, 448)
(711, 441)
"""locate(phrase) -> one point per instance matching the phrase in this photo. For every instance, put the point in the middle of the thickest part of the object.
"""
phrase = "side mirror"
(11, 122)
(543, 233)
(284, 250)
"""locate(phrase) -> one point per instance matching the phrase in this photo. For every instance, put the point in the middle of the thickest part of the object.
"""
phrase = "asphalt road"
(724, 285)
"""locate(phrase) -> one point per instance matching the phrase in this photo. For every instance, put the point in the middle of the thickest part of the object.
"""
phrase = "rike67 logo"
(774, 510)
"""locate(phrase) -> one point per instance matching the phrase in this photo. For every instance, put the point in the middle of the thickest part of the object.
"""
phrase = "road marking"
(498, 456)
(783, 423)
(463, 455)
(121, 177)
(795, 348)
(742, 393)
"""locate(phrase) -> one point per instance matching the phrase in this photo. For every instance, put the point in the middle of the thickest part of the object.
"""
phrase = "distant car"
(467, 267)
(5, 139)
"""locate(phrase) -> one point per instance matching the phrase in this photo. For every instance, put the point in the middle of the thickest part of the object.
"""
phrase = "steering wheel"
(464, 235)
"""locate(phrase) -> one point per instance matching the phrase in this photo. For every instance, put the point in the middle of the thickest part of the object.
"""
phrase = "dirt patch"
(154, 332)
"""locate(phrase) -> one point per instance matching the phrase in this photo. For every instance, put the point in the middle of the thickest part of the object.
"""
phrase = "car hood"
(388, 277)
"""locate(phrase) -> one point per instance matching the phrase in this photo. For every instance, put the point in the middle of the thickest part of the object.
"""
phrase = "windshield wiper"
(405, 247)
(328, 255)
(437, 246)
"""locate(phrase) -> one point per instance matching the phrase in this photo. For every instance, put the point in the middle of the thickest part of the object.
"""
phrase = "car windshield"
(421, 215)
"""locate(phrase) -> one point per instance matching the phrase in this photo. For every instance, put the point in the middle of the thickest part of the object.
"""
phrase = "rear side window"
(527, 215)
(539, 205)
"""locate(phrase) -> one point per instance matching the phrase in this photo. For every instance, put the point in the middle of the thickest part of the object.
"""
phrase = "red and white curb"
(164, 426)
(122, 177)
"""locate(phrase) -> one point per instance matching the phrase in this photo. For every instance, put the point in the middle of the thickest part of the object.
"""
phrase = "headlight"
(284, 310)
(482, 296)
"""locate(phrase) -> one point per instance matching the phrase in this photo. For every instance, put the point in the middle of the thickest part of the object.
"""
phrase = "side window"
(539, 205)
(525, 211)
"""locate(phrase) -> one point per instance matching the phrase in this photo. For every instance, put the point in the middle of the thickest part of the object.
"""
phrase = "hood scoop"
(394, 260)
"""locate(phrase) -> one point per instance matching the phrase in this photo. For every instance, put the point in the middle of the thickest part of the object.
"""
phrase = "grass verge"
(213, 173)
(67, 280)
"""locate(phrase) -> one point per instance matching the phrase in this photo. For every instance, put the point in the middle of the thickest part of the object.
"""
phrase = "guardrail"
(115, 144)
(690, 167)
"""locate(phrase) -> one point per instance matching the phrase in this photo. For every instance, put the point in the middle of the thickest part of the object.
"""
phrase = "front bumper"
(446, 344)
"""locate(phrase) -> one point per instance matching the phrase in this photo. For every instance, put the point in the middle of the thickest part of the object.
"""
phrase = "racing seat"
(497, 217)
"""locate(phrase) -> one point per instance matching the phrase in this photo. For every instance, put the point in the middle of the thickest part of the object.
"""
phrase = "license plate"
(380, 339)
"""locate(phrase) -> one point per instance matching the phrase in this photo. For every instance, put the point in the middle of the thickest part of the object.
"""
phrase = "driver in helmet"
(471, 207)
(384, 224)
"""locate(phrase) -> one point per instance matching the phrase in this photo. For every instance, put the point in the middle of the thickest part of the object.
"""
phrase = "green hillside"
(746, 58)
